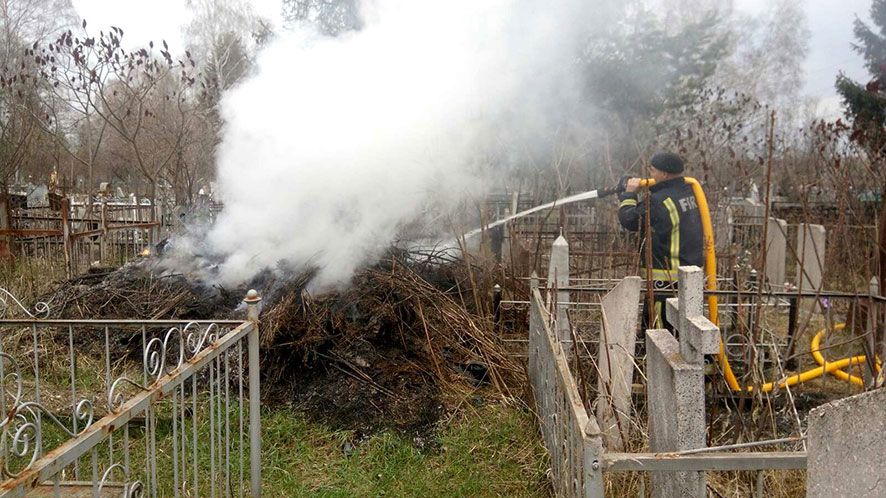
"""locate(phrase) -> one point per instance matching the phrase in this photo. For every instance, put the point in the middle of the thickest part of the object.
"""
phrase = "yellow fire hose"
(839, 373)
(835, 368)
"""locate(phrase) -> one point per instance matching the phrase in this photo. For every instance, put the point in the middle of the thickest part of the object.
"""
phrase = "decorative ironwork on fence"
(132, 408)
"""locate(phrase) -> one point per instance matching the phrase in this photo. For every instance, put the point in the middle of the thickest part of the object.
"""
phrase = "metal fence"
(83, 235)
(851, 246)
(600, 248)
(570, 434)
(128, 408)
(573, 437)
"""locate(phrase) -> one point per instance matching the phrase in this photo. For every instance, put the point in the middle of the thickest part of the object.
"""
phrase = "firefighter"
(675, 223)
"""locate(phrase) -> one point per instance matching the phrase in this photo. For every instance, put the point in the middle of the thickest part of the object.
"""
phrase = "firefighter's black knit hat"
(667, 162)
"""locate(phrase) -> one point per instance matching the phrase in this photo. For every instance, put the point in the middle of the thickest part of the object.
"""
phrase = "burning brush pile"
(396, 349)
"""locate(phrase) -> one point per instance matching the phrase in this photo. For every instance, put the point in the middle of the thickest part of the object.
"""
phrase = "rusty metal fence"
(83, 235)
(128, 408)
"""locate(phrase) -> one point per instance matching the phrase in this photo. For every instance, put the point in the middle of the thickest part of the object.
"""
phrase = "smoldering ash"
(338, 141)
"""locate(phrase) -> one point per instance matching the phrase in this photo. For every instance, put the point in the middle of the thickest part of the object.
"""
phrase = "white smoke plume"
(337, 142)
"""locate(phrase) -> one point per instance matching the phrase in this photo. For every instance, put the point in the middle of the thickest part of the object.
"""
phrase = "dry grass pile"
(386, 352)
(138, 290)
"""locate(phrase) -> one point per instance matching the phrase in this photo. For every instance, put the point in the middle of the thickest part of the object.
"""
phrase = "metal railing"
(83, 235)
(128, 407)
(570, 433)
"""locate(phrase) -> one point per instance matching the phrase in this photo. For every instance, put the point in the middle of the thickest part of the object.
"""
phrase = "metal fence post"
(67, 243)
(5, 224)
(252, 300)
(103, 239)
(496, 306)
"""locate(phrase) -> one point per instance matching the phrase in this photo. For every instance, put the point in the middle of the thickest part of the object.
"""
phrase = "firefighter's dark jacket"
(677, 238)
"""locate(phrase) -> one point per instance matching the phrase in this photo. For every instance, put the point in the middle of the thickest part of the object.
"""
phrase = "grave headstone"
(845, 443)
(776, 247)
(616, 361)
(675, 389)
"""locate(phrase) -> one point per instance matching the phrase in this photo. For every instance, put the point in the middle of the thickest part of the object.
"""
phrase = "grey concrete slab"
(845, 442)
(616, 361)
(723, 229)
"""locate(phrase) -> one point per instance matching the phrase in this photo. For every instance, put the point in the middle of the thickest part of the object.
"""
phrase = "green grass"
(28, 278)
(494, 450)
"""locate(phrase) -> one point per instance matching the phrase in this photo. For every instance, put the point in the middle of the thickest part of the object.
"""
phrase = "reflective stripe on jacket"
(677, 238)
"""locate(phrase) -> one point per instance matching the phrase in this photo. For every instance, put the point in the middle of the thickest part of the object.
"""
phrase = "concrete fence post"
(675, 393)
(252, 301)
(558, 276)
(592, 455)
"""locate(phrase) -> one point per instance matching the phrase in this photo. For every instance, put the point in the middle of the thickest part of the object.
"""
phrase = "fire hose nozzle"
(617, 189)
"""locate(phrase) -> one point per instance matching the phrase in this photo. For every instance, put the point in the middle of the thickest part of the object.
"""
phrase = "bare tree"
(21, 139)
(125, 91)
(678, 14)
(69, 112)
(767, 58)
(331, 17)
(224, 35)
(23, 22)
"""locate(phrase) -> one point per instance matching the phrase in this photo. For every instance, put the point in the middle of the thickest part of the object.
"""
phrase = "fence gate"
(126, 407)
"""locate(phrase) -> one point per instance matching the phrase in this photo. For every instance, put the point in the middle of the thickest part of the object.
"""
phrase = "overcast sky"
(160, 19)
(830, 22)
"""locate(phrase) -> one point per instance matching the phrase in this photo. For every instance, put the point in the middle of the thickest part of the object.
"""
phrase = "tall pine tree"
(865, 105)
